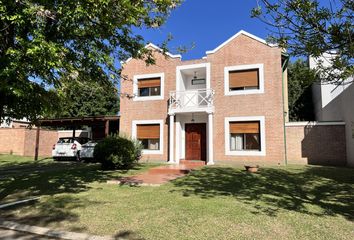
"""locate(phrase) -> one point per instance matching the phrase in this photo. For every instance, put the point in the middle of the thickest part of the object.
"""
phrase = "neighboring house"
(225, 107)
(15, 123)
(334, 102)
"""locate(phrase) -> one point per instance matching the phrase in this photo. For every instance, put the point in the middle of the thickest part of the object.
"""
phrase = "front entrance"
(196, 141)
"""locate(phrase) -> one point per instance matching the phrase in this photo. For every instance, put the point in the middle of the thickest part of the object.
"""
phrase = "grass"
(13, 160)
(296, 202)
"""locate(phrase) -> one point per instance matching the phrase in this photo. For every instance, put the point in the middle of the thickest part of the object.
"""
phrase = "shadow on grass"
(128, 235)
(55, 178)
(320, 191)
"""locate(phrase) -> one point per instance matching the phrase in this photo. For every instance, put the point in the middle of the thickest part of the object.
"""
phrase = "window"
(148, 87)
(198, 81)
(244, 136)
(244, 79)
(149, 135)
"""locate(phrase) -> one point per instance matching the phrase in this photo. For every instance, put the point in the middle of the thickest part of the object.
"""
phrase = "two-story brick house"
(225, 107)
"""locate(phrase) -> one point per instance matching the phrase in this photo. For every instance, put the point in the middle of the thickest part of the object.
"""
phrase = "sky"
(206, 24)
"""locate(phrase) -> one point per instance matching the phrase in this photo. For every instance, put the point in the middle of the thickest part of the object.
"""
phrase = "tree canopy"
(312, 28)
(44, 41)
(82, 98)
(300, 79)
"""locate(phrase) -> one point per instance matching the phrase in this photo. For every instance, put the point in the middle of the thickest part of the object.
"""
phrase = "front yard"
(293, 202)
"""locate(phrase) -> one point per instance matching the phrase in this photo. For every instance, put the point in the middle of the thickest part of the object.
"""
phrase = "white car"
(86, 153)
(68, 148)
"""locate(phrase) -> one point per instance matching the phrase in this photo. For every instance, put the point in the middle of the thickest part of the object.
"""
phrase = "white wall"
(335, 103)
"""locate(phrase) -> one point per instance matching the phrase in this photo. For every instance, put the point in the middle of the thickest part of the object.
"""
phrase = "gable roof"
(156, 48)
(235, 36)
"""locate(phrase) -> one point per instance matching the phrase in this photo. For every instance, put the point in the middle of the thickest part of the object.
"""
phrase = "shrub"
(117, 152)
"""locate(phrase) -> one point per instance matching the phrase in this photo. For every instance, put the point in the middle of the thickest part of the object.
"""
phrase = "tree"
(312, 28)
(300, 79)
(44, 41)
(80, 98)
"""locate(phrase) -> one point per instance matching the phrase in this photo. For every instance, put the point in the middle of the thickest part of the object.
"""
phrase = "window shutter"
(244, 127)
(148, 131)
(149, 82)
(244, 78)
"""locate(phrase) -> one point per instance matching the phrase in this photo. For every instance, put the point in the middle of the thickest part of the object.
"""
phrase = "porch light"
(196, 81)
(192, 120)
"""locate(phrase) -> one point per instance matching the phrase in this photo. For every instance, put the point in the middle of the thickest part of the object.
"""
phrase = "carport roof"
(76, 121)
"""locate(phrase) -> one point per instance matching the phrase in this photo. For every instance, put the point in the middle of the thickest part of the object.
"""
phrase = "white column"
(210, 140)
(171, 148)
(178, 139)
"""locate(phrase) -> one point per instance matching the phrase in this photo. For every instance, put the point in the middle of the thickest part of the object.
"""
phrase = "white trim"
(158, 49)
(161, 50)
(191, 66)
(148, 98)
(235, 36)
(134, 132)
(245, 153)
(294, 124)
(227, 69)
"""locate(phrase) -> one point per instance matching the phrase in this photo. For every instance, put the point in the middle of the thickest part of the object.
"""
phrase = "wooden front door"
(196, 141)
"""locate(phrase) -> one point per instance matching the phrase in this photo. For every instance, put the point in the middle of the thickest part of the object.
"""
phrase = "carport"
(101, 126)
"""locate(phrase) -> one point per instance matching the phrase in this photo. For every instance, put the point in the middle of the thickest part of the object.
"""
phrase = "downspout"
(283, 67)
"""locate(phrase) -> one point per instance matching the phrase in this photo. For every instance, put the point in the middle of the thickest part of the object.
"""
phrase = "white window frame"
(228, 69)
(148, 98)
(261, 120)
(134, 133)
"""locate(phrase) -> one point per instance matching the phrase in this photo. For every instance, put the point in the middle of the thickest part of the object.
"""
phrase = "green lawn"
(294, 202)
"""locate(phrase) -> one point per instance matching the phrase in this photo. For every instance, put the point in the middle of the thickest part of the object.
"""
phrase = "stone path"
(159, 175)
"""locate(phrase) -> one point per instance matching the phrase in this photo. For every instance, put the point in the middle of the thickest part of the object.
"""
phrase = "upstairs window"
(244, 79)
(149, 87)
(149, 136)
(245, 136)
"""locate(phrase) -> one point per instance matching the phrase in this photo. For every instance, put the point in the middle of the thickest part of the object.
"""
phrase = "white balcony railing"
(191, 99)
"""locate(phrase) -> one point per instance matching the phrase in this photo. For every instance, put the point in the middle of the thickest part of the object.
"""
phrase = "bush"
(117, 152)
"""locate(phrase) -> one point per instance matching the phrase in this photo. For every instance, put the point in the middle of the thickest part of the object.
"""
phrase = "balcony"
(199, 100)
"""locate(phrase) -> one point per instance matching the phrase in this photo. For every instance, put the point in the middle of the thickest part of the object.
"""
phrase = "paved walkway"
(160, 175)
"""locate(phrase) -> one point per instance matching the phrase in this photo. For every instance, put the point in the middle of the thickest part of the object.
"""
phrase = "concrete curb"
(19, 202)
(51, 233)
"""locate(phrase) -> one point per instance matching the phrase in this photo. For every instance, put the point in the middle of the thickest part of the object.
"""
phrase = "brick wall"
(47, 139)
(243, 51)
(21, 141)
(12, 141)
(317, 144)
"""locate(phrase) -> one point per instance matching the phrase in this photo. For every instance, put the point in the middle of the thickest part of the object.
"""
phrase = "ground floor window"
(245, 141)
(150, 144)
(149, 135)
(244, 136)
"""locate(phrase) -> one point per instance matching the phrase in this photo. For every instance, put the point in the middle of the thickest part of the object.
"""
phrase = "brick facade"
(242, 50)
(21, 141)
